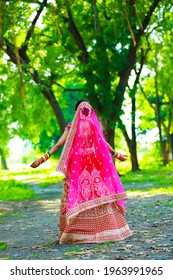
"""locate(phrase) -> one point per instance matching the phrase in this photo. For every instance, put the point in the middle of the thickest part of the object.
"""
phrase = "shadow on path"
(30, 229)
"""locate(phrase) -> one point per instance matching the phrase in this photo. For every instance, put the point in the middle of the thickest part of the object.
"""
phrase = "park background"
(118, 56)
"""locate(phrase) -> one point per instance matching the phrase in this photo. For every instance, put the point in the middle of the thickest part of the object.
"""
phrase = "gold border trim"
(97, 202)
(99, 237)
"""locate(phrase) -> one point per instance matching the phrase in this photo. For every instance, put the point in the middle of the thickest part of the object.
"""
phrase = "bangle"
(49, 153)
(41, 160)
(112, 152)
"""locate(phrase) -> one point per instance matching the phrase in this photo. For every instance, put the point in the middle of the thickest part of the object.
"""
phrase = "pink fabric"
(88, 166)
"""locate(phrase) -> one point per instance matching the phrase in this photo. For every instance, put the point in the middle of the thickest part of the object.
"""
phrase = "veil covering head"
(88, 165)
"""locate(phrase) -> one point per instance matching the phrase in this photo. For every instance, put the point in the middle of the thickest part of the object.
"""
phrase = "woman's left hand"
(35, 164)
(120, 156)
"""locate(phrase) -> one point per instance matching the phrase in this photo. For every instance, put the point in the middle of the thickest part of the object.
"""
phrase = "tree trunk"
(3, 160)
(56, 108)
(109, 132)
(131, 143)
(133, 156)
(49, 95)
(162, 147)
(168, 149)
(133, 146)
(165, 146)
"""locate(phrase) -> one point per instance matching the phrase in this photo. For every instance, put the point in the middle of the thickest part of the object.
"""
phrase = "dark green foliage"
(72, 50)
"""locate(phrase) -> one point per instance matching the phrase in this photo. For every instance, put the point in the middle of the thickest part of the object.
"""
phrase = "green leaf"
(3, 245)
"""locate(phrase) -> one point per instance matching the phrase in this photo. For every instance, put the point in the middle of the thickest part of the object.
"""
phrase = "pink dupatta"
(88, 165)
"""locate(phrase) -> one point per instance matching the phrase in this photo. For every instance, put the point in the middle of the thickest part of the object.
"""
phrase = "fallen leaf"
(102, 251)
(120, 258)
(67, 254)
(3, 245)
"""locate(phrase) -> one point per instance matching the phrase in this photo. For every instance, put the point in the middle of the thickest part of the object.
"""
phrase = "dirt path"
(30, 230)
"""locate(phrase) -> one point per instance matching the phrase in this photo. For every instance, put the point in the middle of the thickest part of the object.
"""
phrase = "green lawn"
(14, 190)
(153, 181)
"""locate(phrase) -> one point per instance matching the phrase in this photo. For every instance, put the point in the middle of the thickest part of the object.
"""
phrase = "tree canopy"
(55, 52)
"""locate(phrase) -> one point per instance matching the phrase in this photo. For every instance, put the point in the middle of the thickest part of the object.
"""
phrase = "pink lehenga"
(92, 205)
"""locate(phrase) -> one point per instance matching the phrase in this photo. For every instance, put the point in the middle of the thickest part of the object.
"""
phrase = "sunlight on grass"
(168, 203)
(13, 190)
(73, 249)
(15, 214)
(50, 180)
(157, 176)
(44, 177)
(14, 185)
(153, 181)
(151, 191)
(25, 172)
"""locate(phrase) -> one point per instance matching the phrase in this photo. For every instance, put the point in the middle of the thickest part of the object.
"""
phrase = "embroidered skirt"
(98, 224)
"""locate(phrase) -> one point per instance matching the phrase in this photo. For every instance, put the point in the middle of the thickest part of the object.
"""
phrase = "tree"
(157, 87)
(107, 50)
(95, 41)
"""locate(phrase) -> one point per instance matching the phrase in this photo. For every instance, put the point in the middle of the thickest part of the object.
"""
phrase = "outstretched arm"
(59, 143)
(111, 149)
(117, 154)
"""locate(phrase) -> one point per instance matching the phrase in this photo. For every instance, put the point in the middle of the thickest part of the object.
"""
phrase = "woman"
(92, 205)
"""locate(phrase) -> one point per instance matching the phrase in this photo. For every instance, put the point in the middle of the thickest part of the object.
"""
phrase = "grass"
(152, 181)
(50, 180)
(74, 249)
(4, 214)
(25, 172)
(160, 177)
(156, 190)
(146, 235)
(168, 203)
(14, 190)
(45, 177)
(3, 245)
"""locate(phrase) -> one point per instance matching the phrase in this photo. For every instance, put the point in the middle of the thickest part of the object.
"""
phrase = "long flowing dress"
(92, 206)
